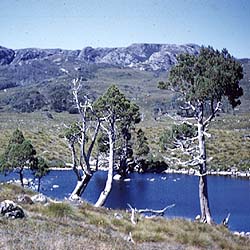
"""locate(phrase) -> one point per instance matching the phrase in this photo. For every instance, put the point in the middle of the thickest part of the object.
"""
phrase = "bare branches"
(177, 161)
(144, 211)
(133, 210)
(189, 106)
(82, 107)
(84, 133)
(93, 139)
(213, 113)
(159, 212)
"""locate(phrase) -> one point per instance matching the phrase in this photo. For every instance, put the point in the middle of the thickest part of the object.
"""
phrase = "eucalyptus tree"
(118, 114)
(141, 148)
(131, 116)
(19, 154)
(40, 169)
(82, 135)
(204, 79)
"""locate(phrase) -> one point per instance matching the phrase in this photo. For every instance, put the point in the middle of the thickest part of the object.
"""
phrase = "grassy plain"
(229, 145)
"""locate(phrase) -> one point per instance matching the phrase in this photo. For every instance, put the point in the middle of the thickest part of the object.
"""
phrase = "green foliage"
(121, 115)
(184, 131)
(60, 98)
(40, 168)
(59, 210)
(17, 137)
(176, 132)
(152, 163)
(141, 147)
(72, 133)
(162, 85)
(102, 142)
(19, 153)
(207, 77)
(116, 106)
(28, 101)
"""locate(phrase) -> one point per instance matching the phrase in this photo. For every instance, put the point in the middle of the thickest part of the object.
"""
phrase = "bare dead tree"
(82, 134)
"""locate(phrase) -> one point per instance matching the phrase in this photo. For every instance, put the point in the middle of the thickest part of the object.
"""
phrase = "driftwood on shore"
(151, 212)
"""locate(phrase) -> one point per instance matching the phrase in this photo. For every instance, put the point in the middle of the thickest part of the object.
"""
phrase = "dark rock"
(25, 199)
(6, 55)
(11, 210)
(154, 57)
(49, 115)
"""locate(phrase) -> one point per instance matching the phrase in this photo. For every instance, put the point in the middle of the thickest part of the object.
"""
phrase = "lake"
(155, 191)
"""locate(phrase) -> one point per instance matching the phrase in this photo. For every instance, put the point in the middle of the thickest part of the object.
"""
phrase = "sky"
(74, 24)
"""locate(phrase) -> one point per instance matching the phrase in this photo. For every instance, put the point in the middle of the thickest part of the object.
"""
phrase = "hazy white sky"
(74, 24)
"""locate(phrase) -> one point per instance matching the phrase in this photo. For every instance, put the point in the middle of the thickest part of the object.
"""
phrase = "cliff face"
(42, 76)
(140, 56)
(6, 55)
(33, 65)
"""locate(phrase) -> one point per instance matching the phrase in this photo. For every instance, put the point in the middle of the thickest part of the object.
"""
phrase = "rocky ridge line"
(153, 57)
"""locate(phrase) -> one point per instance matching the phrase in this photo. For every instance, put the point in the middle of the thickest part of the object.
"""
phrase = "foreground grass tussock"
(61, 225)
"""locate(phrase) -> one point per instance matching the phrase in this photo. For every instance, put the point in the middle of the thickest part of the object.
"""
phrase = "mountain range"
(140, 56)
(41, 75)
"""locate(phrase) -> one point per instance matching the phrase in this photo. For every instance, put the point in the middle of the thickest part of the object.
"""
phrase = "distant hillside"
(140, 56)
(33, 79)
(29, 66)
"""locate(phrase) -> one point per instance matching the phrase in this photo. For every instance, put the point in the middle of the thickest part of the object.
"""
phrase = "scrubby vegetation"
(44, 134)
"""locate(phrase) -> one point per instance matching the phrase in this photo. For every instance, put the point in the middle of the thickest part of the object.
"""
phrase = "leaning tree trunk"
(104, 194)
(123, 168)
(80, 187)
(82, 180)
(21, 177)
(203, 191)
(39, 184)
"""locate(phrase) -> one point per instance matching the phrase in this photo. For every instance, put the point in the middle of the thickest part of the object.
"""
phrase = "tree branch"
(93, 139)
(132, 214)
(159, 212)
(214, 111)
(154, 212)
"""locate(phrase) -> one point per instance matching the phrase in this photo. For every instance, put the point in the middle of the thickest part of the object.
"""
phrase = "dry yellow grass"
(66, 226)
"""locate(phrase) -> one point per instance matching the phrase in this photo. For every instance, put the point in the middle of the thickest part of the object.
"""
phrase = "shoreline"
(231, 174)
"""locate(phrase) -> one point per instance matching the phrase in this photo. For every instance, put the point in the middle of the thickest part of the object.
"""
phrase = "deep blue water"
(227, 195)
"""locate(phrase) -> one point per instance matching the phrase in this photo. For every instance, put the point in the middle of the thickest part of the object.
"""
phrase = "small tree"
(19, 154)
(204, 79)
(117, 113)
(141, 148)
(131, 116)
(40, 169)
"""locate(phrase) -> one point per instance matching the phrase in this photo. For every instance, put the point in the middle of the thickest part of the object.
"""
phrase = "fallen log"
(144, 211)
(160, 212)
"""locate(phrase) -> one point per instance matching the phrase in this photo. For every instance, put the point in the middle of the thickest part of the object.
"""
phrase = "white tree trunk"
(104, 194)
(80, 187)
(203, 191)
